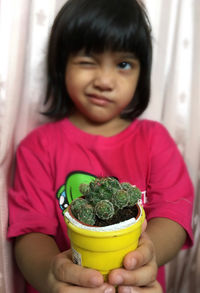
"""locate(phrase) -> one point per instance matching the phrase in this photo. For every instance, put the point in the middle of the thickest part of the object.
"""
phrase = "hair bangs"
(111, 37)
(104, 27)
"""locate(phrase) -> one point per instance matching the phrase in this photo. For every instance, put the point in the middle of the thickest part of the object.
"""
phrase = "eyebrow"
(127, 55)
(118, 55)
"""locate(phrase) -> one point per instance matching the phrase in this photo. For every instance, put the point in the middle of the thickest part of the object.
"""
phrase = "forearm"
(167, 236)
(34, 253)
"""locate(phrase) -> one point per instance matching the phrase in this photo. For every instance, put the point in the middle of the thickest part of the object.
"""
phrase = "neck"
(107, 129)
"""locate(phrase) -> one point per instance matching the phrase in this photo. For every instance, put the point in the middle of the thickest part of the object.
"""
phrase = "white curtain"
(175, 101)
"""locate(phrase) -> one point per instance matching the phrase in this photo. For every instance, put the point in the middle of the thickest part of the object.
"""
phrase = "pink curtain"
(175, 101)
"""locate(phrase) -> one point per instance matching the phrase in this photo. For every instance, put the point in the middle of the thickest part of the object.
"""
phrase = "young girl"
(99, 64)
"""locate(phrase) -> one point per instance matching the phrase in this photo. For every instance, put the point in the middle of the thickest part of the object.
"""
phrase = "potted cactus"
(105, 223)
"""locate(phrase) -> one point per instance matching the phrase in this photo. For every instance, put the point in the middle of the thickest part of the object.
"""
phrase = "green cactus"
(104, 209)
(90, 192)
(77, 205)
(133, 191)
(102, 188)
(103, 198)
(126, 185)
(120, 199)
(134, 195)
(87, 215)
(84, 188)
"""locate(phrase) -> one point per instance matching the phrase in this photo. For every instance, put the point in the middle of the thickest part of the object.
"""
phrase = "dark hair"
(97, 25)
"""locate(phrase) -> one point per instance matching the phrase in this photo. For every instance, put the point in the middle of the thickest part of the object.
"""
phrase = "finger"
(140, 266)
(105, 288)
(64, 288)
(66, 271)
(144, 225)
(142, 255)
(152, 288)
(140, 277)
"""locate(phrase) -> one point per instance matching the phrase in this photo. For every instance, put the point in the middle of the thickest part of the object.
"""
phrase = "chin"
(99, 120)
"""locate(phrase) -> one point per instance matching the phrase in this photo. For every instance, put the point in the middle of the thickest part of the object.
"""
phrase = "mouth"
(99, 100)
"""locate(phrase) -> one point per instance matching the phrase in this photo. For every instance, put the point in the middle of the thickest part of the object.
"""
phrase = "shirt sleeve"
(31, 199)
(169, 189)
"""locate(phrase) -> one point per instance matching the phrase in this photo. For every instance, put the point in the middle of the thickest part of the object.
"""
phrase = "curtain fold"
(12, 35)
(175, 101)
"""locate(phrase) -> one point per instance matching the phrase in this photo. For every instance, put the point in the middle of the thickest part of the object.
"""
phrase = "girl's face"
(101, 85)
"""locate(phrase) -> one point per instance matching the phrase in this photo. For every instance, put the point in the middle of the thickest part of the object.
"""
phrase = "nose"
(104, 80)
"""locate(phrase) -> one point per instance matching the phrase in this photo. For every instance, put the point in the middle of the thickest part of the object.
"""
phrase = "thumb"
(144, 225)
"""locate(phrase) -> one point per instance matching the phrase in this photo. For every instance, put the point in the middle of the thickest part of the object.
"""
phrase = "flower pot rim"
(118, 228)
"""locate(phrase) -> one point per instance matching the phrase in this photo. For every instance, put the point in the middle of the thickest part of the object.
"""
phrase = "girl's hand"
(140, 270)
(65, 276)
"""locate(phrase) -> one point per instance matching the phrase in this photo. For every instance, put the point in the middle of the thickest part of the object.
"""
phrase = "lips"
(99, 100)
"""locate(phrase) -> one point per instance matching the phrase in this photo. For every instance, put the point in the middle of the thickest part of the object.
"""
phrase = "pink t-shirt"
(55, 155)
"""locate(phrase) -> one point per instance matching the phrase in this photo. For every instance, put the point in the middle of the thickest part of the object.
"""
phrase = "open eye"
(124, 65)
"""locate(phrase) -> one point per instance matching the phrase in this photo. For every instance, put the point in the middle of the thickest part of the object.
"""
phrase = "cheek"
(69, 78)
(76, 82)
(72, 84)
(133, 85)
(71, 87)
(128, 93)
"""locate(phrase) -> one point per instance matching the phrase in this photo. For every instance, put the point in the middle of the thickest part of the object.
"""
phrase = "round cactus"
(77, 205)
(100, 189)
(103, 188)
(104, 209)
(114, 183)
(126, 185)
(133, 191)
(134, 195)
(84, 188)
(120, 199)
(87, 215)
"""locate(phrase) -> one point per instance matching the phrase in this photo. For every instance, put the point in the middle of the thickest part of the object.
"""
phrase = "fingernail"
(133, 263)
(127, 290)
(118, 280)
(108, 290)
(96, 281)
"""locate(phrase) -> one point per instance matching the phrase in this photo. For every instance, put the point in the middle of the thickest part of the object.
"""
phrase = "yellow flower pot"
(103, 248)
